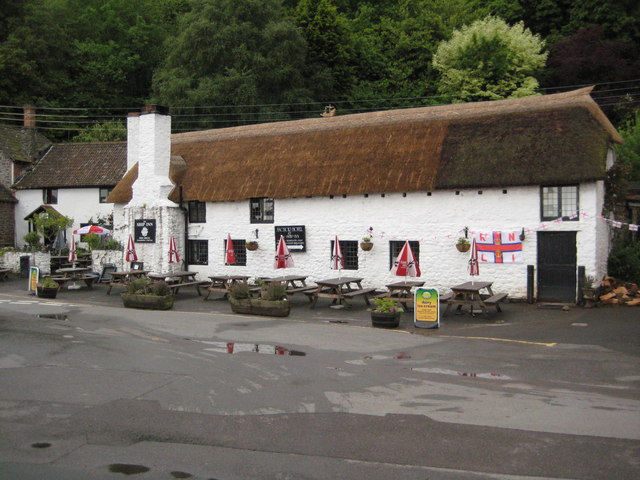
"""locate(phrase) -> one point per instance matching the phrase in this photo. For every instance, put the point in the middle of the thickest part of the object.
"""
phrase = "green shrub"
(139, 286)
(239, 291)
(48, 282)
(624, 262)
(32, 239)
(92, 240)
(386, 305)
(273, 291)
(112, 244)
(160, 288)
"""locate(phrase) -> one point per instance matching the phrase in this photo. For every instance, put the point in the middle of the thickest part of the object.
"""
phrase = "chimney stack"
(29, 116)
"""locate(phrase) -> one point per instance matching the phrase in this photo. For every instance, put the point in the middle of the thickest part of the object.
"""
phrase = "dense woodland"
(229, 62)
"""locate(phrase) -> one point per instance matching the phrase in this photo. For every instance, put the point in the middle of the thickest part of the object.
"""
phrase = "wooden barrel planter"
(47, 292)
(385, 319)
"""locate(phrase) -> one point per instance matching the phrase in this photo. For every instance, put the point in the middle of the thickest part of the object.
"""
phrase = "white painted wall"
(435, 221)
(81, 204)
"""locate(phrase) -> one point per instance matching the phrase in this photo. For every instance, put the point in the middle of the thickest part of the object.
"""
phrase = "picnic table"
(122, 279)
(341, 290)
(73, 274)
(477, 295)
(402, 291)
(223, 283)
(293, 284)
(177, 280)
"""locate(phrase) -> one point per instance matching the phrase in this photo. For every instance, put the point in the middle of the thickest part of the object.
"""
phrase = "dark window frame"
(349, 250)
(396, 245)
(262, 210)
(239, 250)
(103, 193)
(558, 202)
(197, 211)
(196, 249)
(50, 196)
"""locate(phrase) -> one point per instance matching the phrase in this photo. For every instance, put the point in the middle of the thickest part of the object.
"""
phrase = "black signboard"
(145, 231)
(294, 236)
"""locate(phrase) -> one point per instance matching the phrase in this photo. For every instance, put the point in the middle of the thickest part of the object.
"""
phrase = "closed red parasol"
(405, 264)
(230, 257)
(131, 255)
(173, 251)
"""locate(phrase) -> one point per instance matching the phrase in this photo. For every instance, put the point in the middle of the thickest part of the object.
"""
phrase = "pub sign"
(145, 230)
(294, 236)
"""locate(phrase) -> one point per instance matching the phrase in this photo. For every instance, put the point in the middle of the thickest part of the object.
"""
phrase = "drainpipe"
(185, 212)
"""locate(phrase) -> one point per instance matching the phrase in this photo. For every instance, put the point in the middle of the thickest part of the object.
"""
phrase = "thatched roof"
(73, 165)
(551, 139)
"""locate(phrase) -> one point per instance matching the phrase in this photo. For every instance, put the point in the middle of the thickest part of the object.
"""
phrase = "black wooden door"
(557, 266)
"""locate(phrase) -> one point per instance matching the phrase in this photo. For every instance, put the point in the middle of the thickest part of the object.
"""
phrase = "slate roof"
(72, 165)
(6, 196)
(22, 144)
(552, 139)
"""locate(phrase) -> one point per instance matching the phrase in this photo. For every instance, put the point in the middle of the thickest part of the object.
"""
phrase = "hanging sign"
(426, 313)
(145, 230)
(294, 236)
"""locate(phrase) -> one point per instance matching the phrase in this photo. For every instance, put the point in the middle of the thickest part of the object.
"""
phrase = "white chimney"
(150, 137)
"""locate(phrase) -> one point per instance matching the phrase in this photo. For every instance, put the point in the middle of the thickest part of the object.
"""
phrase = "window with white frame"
(104, 193)
(261, 210)
(559, 201)
(50, 196)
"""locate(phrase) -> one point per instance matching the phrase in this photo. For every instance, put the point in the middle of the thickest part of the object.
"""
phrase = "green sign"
(427, 308)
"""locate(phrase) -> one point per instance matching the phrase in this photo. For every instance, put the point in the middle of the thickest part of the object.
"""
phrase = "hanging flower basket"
(366, 246)
(463, 247)
(251, 245)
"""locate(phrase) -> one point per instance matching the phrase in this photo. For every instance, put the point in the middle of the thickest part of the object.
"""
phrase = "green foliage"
(47, 224)
(624, 261)
(48, 282)
(32, 239)
(92, 240)
(386, 305)
(629, 152)
(273, 291)
(239, 291)
(110, 244)
(160, 288)
(489, 60)
(102, 132)
(140, 286)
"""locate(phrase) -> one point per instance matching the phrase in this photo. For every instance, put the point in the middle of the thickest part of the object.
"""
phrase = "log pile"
(617, 292)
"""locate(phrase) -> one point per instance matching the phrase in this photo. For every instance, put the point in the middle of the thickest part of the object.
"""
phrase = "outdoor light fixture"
(466, 232)
(257, 232)
(522, 235)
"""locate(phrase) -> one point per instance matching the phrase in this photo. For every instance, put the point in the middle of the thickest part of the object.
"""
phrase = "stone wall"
(7, 224)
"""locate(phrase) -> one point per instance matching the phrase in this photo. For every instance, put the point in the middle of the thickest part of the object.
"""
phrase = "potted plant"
(366, 244)
(48, 288)
(272, 302)
(386, 313)
(142, 293)
(588, 290)
(251, 245)
(463, 244)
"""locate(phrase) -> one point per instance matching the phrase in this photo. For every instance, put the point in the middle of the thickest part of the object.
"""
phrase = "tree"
(239, 53)
(489, 60)
(102, 132)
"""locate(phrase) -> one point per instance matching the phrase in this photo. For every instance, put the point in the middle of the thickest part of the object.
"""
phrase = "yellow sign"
(427, 308)
(34, 274)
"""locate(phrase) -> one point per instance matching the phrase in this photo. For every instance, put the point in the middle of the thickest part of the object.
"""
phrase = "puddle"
(181, 475)
(41, 445)
(444, 371)
(53, 316)
(235, 347)
(127, 469)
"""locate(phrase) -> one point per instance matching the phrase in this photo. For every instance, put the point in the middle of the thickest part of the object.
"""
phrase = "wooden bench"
(446, 297)
(495, 299)
(292, 291)
(175, 287)
(365, 292)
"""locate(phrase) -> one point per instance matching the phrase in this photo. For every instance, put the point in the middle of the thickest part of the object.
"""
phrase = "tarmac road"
(89, 389)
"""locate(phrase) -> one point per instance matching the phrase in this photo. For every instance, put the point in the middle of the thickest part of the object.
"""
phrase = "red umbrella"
(231, 254)
(406, 264)
(283, 257)
(91, 229)
(474, 266)
(173, 251)
(72, 251)
(131, 256)
(337, 260)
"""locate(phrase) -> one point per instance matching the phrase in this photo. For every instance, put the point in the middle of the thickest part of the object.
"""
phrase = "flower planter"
(47, 292)
(463, 247)
(366, 246)
(385, 319)
(251, 245)
(256, 306)
(148, 302)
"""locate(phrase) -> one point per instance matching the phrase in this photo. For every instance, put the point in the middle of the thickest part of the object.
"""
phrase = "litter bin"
(25, 263)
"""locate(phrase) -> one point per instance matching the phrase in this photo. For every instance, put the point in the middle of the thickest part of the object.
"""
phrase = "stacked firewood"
(614, 291)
